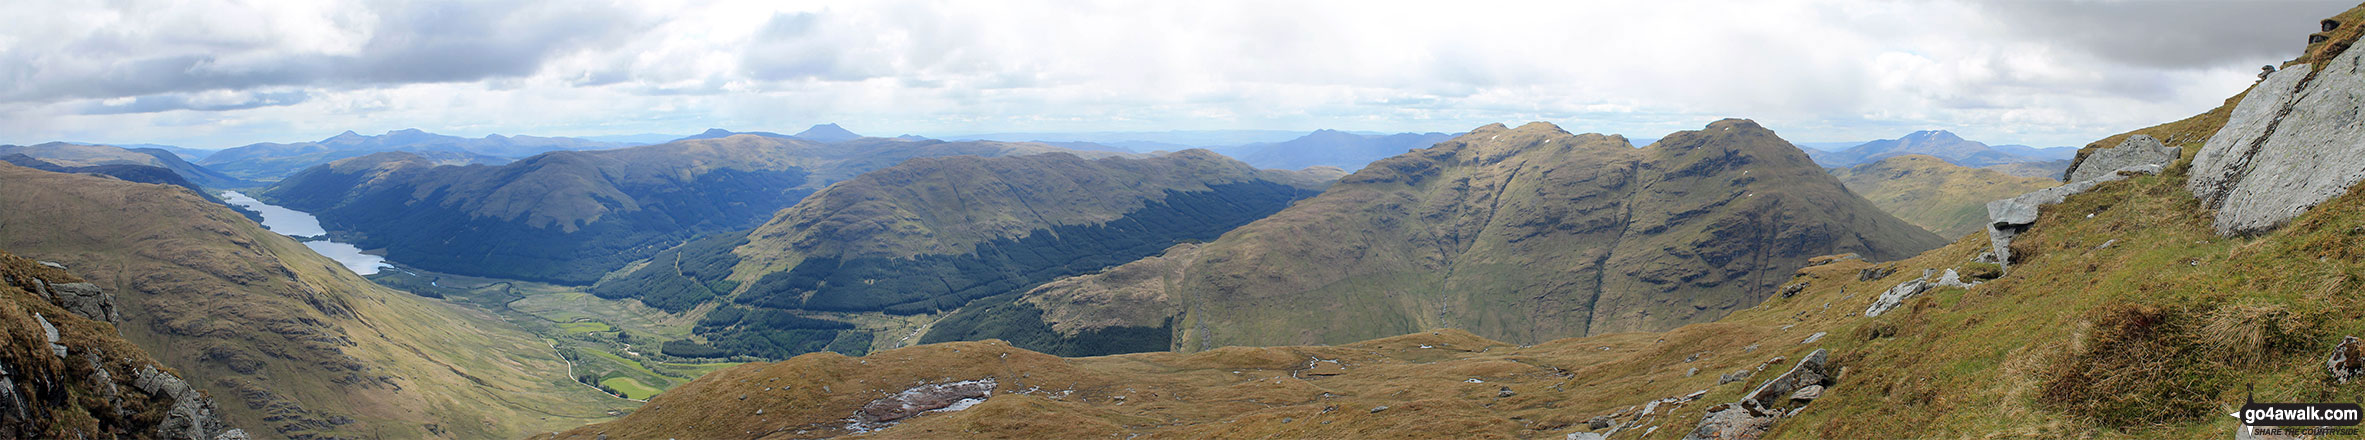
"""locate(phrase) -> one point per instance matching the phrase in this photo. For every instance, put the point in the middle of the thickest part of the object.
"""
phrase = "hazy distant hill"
(85, 155)
(1937, 143)
(823, 133)
(271, 161)
(1945, 198)
(1145, 141)
(1331, 148)
(570, 216)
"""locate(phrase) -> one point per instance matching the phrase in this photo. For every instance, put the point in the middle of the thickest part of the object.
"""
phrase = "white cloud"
(213, 74)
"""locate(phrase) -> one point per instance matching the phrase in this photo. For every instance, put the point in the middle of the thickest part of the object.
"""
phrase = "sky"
(219, 73)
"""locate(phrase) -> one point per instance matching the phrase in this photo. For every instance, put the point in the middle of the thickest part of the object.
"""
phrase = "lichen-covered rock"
(2292, 143)
(1757, 411)
(2137, 150)
(2347, 360)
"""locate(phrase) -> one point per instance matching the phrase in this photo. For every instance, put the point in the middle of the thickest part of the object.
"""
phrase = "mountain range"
(1941, 144)
(1331, 148)
(571, 216)
(934, 234)
(1525, 234)
(2196, 267)
(85, 155)
(273, 161)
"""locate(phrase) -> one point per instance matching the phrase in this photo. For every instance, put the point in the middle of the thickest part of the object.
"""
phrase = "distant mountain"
(1945, 198)
(934, 234)
(288, 343)
(1811, 148)
(186, 153)
(717, 133)
(1331, 148)
(636, 139)
(1525, 234)
(568, 217)
(1145, 141)
(2047, 153)
(827, 133)
(85, 155)
(1937, 143)
(271, 161)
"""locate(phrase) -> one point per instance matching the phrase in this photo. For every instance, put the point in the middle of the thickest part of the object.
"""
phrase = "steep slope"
(1926, 191)
(1530, 234)
(272, 161)
(71, 376)
(1939, 143)
(80, 155)
(569, 217)
(1331, 148)
(2126, 315)
(290, 342)
(933, 234)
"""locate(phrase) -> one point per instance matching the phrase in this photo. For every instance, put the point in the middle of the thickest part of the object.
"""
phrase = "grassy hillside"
(79, 155)
(933, 234)
(1945, 198)
(569, 217)
(289, 341)
(1531, 234)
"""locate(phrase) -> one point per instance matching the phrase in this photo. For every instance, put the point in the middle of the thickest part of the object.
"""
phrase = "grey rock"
(1695, 371)
(192, 415)
(2137, 150)
(1755, 413)
(1377, 409)
(234, 434)
(1875, 272)
(2008, 217)
(52, 265)
(1810, 392)
(923, 398)
(88, 300)
(1818, 336)
(1505, 393)
(2347, 360)
(1585, 436)
(1735, 376)
(1599, 422)
(51, 332)
(2288, 146)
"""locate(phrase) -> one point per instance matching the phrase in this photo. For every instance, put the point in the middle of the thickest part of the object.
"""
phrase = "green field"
(580, 327)
(632, 388)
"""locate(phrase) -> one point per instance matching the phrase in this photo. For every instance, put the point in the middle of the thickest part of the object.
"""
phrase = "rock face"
(2138, 150)
(2292, 143)
(63, 374)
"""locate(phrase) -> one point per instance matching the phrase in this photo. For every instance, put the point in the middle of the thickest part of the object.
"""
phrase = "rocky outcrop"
(86, 299)
(1757, 411)
(2138, 150)
(922, 399)
(1896, 296)
(2008, 217)
(65, 375)
(192, 413)
(2292, 142)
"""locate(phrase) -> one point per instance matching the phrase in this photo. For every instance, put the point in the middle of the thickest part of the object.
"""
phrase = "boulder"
(1756, 412)
(192, 415)
(2137, 150)
(1812, 338)
(2292, 143)
(1809, 393)
(2347, 361)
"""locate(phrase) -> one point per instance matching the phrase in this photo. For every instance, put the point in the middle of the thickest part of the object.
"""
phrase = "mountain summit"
(827, 133)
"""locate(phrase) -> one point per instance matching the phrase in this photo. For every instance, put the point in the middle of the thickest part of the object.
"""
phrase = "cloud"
(208, 101)
(2042, 72)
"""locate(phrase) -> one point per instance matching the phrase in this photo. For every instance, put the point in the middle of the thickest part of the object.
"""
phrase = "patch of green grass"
(585, 327)
(632, 389)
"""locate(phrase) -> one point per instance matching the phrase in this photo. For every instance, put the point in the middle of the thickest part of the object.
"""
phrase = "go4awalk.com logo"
(2300, 418)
